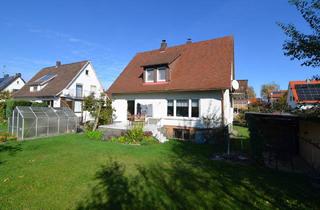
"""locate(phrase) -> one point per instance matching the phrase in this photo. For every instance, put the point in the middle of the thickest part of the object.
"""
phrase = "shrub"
(5, 136)
(96, 135)
(11, 104)
(135, 136)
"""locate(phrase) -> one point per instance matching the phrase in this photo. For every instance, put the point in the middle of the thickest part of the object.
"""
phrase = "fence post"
(18, 126)
(12, 129)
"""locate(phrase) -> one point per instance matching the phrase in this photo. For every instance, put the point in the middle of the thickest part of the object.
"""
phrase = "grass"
(73, 172)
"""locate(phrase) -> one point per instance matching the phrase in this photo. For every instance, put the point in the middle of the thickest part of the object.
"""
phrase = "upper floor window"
(156, 74)
(87, 72)
(78, 90)
(93, 88)
(150, 75)
(162, 74)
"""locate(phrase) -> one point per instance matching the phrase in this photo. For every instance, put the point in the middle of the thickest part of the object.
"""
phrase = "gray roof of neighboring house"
(7, 80)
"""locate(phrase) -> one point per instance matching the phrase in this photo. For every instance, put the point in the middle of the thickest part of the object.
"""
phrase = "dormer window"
(158, 74)
(150, 75)
(162, 74)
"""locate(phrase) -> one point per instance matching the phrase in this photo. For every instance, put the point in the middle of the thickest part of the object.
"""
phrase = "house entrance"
(130, 108)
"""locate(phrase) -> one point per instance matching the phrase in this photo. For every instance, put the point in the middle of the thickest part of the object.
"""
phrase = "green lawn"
(73, 172)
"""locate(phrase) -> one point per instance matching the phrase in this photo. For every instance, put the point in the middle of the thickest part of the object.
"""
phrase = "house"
(182, 89)
(240, 96)
(63, 85)
(11, 83)
(304, 94)
(275, 96)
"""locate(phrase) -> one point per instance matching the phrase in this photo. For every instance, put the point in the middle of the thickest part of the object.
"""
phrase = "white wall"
(209, 104)
(17, 84)
(86, 81)
(292, 102)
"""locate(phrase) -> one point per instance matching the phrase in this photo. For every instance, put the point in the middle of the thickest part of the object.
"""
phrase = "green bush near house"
(96, 135)
(136, 135)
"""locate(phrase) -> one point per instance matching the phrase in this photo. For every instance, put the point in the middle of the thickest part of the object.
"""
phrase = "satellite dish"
(235, 84)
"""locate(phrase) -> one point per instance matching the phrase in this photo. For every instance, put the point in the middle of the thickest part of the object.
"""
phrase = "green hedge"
(11, 104)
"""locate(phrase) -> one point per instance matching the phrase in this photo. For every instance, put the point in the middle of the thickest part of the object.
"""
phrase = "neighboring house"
(240, 96)
(275, 96)
(63, 85)
(11, 83)
(179, 88)
(303, 94)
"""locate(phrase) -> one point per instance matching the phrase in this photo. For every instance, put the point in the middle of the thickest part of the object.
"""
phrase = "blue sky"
(35, 34)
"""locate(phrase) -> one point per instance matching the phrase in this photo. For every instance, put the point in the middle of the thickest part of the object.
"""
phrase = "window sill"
(181, 118)
(156, 83)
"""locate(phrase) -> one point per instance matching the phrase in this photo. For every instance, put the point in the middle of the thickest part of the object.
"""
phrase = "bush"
(11, 104)
(96, 135)
(135, 136)
(5, 136)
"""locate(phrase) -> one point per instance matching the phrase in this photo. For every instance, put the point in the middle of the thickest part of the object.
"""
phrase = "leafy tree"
(301, 46)
(266, 89)
(281, 104)
(251, 93)
(101, 109)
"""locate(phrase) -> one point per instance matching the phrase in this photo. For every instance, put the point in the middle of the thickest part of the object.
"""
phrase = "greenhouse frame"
(29, 122)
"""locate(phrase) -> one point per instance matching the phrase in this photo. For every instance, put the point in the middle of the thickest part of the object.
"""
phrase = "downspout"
(222, 108)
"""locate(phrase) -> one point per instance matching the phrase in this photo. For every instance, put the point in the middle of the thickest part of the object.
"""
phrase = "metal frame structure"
(32, 122)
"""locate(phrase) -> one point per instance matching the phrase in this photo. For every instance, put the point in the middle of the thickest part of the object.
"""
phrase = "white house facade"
(303, 94)
(11, 83)
(64, 85)
(182, 89)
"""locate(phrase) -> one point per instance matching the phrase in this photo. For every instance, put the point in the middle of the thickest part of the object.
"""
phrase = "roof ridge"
(67, 64)
(189, 44)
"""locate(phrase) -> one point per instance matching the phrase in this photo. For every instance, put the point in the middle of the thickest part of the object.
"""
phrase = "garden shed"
(31, 122)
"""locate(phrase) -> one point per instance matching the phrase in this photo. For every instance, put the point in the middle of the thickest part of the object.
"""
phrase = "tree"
(300, 46)
(251, 93)
(281, 105)
(101, 109)
(266, 90)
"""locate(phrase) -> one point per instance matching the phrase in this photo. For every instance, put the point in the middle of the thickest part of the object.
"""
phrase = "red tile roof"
(205, 65)
(292, 86)
(278, 94)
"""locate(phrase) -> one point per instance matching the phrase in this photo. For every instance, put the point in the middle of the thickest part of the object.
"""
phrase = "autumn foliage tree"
(266, 90)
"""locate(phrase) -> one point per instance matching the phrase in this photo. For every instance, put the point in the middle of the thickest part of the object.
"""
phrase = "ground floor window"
(181, 133)
(182, 108)
(77, 106)
(195, 108)
(170, 108)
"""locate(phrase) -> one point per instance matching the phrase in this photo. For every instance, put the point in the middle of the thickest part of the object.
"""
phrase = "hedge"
(11, 104)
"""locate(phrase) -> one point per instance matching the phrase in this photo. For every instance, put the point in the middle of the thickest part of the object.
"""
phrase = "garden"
(74, 171)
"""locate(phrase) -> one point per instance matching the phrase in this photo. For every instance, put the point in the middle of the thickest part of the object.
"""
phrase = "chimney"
(163, 45)
(189, 41)
(18, 74)
(58, 63)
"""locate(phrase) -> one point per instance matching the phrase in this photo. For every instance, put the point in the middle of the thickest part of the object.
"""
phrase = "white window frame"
(158, 77)
(146, 76)
(189, 108)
